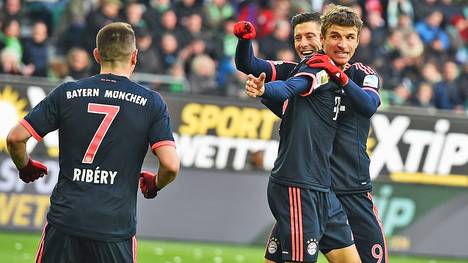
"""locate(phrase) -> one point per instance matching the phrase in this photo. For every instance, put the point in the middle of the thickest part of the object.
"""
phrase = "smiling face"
(307, 38)
(340, 43)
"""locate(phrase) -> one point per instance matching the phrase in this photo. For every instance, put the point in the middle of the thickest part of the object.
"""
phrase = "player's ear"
(134, 57)
(97, 56)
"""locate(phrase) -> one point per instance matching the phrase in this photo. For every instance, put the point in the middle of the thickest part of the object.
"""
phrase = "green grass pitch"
(17, 248)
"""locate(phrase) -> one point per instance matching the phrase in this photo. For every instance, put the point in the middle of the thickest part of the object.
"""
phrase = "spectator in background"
(186, 8)
(106, 13)
(168, 50)
(79, 65)
(36, 50)
(423, 97)
(169, 24)
(154, 10)
(148, 59)
(431, 32)
(280, 39)
(365, 51)
(447, 94)
(430, 73)
(202, 76)
(10, 37)
(423, 8)
(12, 10)
(10, 62)
(134, 14)
(217, 11)
(397, 8)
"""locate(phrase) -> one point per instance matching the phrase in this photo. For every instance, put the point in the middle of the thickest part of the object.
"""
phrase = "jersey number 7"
(110, 111)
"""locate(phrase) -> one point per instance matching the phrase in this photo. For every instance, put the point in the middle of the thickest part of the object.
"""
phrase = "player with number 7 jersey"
(106, 123)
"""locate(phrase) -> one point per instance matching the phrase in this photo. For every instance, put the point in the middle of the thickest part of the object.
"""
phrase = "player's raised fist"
(32, 171)
(325, 62)
(148, 184)
(244, 30)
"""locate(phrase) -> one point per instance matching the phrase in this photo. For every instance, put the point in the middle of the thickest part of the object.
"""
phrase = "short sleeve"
(45, 116)
(160, 133)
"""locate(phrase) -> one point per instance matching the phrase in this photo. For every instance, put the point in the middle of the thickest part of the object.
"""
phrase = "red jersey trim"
(31, 130)
(273, 70)
(163, 143)
(312, 87)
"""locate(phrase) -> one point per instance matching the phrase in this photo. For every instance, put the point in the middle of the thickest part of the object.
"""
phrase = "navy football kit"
(299, 186)
(349, 161)
(105, 124)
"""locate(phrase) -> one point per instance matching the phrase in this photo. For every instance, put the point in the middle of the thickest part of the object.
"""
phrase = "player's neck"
(116, 71)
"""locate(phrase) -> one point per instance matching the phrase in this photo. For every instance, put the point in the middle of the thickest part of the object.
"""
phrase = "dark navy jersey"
(306, 132)
(350, 161)
(105, 124)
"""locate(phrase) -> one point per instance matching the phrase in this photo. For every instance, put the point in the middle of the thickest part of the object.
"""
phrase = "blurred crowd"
(419, 47)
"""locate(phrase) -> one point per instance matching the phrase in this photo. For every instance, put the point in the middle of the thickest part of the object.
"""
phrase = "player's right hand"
(255, 86)
(148, 184)
(32, 171)
(244, 30)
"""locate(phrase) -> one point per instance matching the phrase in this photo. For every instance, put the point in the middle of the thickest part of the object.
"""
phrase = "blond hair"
(115, 42)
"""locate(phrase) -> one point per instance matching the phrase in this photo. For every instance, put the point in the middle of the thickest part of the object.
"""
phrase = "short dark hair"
(340, 15)
(115, 42)
(305, 17)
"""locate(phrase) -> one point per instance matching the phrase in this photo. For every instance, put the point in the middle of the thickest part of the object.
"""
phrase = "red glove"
(32, 171)
(323, 61)
(244, 30)
(148, 184)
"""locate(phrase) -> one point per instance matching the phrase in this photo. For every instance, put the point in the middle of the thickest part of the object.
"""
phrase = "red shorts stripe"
(377, 217)
(40, 249)
(291, 214)
(134, 248)
(301, 238)
(31, 130)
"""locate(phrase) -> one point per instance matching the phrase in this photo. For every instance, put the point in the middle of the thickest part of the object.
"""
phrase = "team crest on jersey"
(273, 245)
(371, 81)
(277, 62)
(321, 78)
(312, 246)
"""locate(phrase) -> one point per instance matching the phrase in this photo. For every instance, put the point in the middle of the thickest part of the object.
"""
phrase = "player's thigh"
(57, 247)
(109, 252)
(343, 255)
(337, 233)
(366, 226)
(299, 215)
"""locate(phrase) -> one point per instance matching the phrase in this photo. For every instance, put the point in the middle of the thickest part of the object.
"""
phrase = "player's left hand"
(148, 184)
(244, 30)
(323, 61)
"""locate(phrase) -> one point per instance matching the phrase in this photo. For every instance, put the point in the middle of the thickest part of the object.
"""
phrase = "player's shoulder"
(364, 75)
(361, 69)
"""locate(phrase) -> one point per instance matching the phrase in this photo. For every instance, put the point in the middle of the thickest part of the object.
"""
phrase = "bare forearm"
(165, 177)
(18, 153)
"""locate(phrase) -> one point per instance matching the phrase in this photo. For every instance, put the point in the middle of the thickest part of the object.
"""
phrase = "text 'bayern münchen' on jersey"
(105, 124)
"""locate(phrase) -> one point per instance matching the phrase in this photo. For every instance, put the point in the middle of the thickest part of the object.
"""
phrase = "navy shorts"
(338, 233)
(58, 247)
(301, 219)
(366, 226)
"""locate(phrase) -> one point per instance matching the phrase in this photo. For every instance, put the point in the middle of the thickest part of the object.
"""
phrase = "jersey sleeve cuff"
(31, 130)
(312, 87)
(163, 143)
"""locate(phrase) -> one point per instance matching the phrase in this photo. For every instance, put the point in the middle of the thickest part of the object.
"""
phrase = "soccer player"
(299, 186)
(106, 123)
(349, 161)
